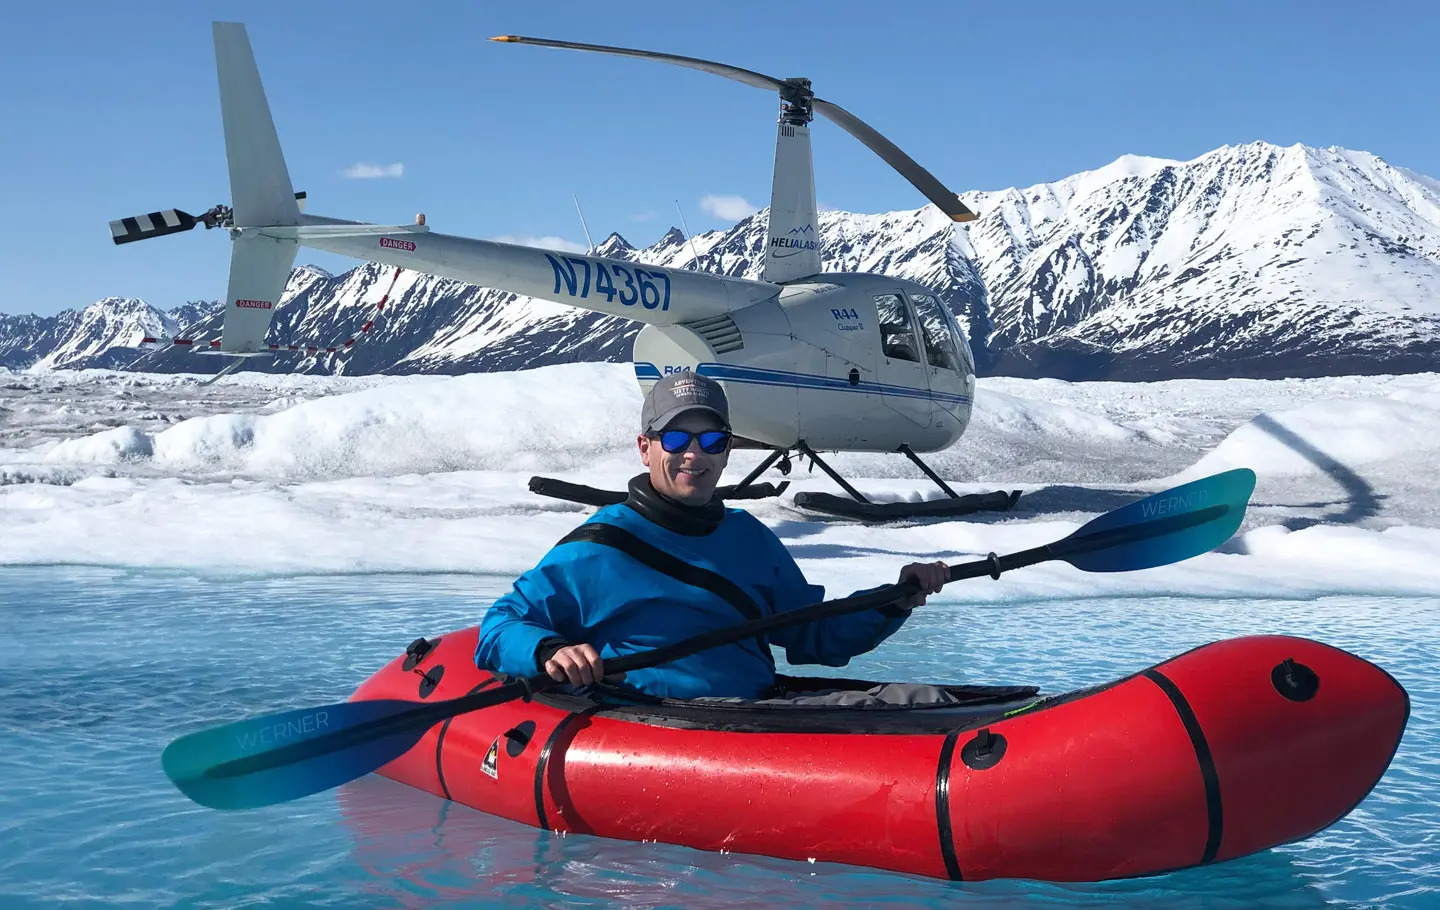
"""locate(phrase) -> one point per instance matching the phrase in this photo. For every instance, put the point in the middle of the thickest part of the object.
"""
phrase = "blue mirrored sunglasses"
(712, 442)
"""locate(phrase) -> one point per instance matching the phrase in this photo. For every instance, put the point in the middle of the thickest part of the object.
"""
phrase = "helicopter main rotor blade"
(758, 80)
(907, 167)
(904, 165)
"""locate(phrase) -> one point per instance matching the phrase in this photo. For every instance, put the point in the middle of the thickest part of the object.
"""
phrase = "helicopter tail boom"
(625, 288)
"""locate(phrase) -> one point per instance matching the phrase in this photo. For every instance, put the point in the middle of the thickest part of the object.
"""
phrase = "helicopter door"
(905, 385)
(949, 373)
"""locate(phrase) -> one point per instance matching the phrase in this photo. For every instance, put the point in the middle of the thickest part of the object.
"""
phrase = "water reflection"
(103, 667)
(416, 850)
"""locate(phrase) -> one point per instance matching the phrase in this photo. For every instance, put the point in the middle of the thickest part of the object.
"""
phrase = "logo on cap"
(688, 389)
(680, 392)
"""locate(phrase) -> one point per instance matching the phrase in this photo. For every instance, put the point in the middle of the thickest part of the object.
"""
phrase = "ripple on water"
(104, 668)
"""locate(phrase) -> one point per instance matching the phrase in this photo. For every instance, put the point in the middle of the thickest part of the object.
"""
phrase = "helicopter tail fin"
(792, 249)
(259, 268)
(261, 194)
(260, 190)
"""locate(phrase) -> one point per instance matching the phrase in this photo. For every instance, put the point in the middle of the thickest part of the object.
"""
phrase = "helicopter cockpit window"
(939, 343)
(897, 336)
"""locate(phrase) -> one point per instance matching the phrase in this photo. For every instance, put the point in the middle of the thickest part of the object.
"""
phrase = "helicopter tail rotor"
(155, 224)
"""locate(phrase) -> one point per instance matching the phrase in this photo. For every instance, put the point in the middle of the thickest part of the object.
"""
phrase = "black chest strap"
(648, 554)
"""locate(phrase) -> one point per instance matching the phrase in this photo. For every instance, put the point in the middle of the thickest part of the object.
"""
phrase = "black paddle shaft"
(424, 716)
(991, 565)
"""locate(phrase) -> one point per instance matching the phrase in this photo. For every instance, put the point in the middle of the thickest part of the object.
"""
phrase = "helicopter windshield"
(940, 347)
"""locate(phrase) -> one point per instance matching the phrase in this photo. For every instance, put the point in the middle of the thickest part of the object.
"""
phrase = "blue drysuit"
(589, 592)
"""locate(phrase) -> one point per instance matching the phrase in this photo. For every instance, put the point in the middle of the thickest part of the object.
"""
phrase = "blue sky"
(110, 109)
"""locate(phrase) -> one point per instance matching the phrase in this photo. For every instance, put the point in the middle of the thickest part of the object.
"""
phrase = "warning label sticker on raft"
(491, 764)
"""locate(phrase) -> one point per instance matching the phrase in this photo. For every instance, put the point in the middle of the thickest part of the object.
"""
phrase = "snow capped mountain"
(1249, 261)
(1253, 260)
(104, 334)
(115, 322)
(427, 325)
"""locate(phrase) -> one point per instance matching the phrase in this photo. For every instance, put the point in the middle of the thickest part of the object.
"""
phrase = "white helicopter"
(809, 360)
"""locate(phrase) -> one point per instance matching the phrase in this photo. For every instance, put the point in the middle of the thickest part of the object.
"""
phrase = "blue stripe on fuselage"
(755, 376)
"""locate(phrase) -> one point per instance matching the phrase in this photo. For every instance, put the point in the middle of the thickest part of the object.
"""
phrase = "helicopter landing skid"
(858, 507)
(953, 505)
(949, 507)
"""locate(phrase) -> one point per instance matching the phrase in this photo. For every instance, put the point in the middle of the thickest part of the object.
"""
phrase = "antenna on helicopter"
(685, 228)
(583, 225)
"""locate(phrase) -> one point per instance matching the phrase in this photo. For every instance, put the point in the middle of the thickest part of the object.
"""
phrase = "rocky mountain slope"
(1254, 261)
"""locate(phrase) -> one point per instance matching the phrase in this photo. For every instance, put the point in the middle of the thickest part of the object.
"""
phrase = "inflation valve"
(1294, 680)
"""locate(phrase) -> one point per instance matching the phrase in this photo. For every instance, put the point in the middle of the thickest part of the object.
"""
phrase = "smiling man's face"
(691, 475)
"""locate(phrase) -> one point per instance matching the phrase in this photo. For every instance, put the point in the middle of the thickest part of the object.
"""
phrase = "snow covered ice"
(266, 474)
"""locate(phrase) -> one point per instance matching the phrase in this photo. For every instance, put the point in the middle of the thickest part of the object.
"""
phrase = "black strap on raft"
(507, 679)
(649, 555)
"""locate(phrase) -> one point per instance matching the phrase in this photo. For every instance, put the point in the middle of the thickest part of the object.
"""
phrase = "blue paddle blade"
(275, 758)
(1177, 524)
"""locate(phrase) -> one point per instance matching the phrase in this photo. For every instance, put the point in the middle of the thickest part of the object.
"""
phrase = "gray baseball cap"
(680, 392)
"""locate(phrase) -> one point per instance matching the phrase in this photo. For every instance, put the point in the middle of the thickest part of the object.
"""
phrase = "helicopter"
(809, 360)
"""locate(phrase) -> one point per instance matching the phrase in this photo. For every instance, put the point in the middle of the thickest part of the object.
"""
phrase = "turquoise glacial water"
(102, 668)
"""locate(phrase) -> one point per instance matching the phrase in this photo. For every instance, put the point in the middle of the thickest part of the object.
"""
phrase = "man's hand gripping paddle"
(284, 756)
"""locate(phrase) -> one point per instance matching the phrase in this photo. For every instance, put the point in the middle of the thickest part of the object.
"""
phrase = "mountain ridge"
(1251, 260)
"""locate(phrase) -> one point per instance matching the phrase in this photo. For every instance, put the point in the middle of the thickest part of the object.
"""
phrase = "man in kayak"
(671, 562)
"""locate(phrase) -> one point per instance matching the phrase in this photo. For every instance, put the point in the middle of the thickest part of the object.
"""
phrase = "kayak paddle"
(290, 754)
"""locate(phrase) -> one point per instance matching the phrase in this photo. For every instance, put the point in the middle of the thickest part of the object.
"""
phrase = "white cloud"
(365, 171)
(643, 216)
(732, 208)
(824, 207)
(547, 242)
